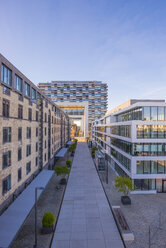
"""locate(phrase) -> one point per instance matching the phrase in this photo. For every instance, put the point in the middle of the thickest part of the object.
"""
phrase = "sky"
(119, 42)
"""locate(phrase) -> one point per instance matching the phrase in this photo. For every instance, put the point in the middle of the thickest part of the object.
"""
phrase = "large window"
(134, 114)
(124, 130)
(28, 168)
(145, 184)
(6, 134)
(19, 173)
(151, 131)
(28, 152)
(126, 162)
(27, 89)
(33, 94)
(18, 83)
(154, 113)
(28, 132)
(6, 184)
(140, 149)
(19, 154)
(20, 133)
(6, 108)
(6, 159)
(151, 167)
(6, 75)
(20, 111)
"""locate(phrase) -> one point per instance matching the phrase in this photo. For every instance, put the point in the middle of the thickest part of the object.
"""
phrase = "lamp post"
(36, 189)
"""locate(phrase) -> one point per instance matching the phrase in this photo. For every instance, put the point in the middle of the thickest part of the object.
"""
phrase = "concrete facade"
(32, 130)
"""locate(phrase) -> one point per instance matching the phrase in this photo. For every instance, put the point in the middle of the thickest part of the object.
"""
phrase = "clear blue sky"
(121, 42)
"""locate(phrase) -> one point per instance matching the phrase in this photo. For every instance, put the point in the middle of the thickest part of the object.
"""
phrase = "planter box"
(63, 181)
(125, 200)
(47, 229)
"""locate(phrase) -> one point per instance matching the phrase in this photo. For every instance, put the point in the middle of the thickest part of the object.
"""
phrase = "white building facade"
(133, 137)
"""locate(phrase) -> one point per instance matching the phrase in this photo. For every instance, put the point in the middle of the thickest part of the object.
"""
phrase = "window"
(154, 113)
(45, 157)
(19, 173)
(45, 117)
(45, 144)
(37, 116)
(6, 91)
(28, 150)
(18, 83)
(6, 184)
(28, 132)
(36, 146)
(6, 107)
(160, 113)
(6, 134)
(45, 131)
(33, 94)
(146, 111)
(19, 154)
(30, 114)
(6, 159)
(20, 111)
(27, 89)
(28, 168)
(36, 131)
(20, 133)
(6, 75)
(36, 161)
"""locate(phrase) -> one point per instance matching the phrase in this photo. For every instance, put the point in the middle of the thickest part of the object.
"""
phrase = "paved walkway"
(85, 219)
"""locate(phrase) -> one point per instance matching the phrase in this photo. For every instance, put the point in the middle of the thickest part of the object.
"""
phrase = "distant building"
(74, 94)
(133, 137)
(32, 130)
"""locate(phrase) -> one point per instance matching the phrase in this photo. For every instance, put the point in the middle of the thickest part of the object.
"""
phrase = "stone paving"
(143, 212)
(50, 200)
(85, 220)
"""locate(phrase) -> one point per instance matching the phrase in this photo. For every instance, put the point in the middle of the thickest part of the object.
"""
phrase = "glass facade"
(74, 111)
(145, 184)
(124, 130)
(151, 131)
(126, 162)
(151, 167)
(18, 83)
(134, 114)
(144, 113)
(140, 149)
(6, 75)
(154, 113)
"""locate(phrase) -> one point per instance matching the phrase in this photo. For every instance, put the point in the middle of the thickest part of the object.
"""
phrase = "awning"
(61, 153)
(69, 143)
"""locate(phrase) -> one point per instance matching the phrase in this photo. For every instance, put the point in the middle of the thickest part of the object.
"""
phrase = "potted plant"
(68, 163)
(62, 170)
(48, 222)
(124, 185)
(93, 154)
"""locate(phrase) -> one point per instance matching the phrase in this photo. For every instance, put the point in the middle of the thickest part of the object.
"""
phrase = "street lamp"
(36, 189)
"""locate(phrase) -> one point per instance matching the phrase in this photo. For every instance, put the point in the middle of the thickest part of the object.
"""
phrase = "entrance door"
(164, 186)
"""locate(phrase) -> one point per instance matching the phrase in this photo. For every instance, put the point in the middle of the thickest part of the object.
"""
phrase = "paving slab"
(85, 218)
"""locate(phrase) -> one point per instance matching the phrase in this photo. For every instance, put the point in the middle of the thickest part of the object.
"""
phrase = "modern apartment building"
(133, 137)
(95, 93)
(32, 130)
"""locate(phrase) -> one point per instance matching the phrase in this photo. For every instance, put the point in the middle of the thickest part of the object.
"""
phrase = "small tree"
(68, 163)
(62, 170)
(124, 185)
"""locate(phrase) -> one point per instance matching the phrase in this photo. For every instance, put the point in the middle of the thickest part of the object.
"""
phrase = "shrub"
(124, 185)
(75, 141)
(94, 148)
(72, 148)
(93, 154)
(48, 219)
(62, 170)
(68, 163)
